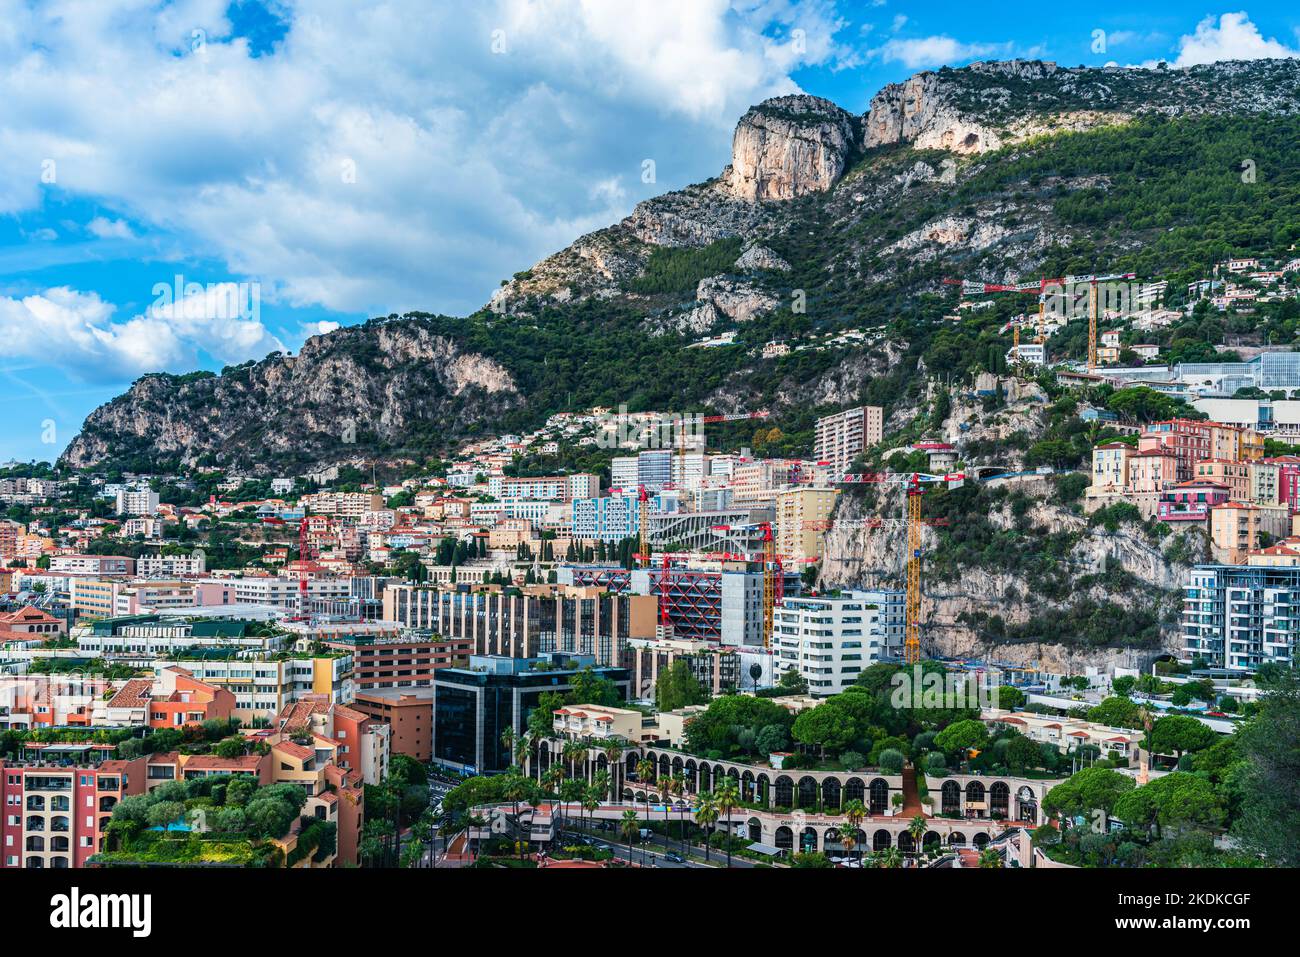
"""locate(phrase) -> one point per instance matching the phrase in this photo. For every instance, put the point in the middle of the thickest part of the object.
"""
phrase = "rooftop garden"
(224, 819)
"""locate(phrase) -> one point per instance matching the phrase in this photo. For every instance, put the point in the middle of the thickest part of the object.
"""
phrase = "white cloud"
(468, 165)
(1234, 38)
(76, 331)
(109, 228)
(900, 21)
(921, 52)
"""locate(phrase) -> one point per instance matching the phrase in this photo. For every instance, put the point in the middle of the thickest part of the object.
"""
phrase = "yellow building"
(802, 515)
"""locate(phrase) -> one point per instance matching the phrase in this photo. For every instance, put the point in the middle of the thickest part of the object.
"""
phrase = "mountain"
(824, 221)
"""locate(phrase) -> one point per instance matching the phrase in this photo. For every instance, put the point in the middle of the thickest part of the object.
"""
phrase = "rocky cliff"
(364, 388)
(823, 221)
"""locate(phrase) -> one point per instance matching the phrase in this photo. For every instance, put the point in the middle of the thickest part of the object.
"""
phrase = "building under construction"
(714, 601)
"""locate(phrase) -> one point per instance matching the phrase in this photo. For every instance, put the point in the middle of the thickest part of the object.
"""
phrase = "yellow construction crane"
(643, 520)
(912, 643)
(1092, 326)
(914, 523)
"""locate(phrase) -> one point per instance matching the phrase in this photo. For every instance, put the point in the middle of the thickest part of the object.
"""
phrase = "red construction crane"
(1039, 288)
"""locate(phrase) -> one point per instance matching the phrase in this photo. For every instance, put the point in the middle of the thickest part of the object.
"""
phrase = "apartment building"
(1237, 528)
(608, 519)
(841, 437)
(57, 804)
(802, 516)
(400, 661)
(1236, 476)
(716, 667)
(828, 640)
(94, 597)
(552, 488)
(171, 566)
(526, 622)
(173, 698)
(282, 592)
(407, 713)
(136, 501)
(351, 505)
(149, 636)
(263, 685)
(356, 741)
(1240, 616)
(101, 565)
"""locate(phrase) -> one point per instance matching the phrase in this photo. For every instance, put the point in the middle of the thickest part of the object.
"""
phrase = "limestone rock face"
(384, 380)
(917, 112)
(737, 301)
(789, 146)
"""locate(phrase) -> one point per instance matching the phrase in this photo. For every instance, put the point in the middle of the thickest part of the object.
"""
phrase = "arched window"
(831, 793)
(879, 795)
(1000, 799)
(951, 798)
(784, 838)
(880, 840)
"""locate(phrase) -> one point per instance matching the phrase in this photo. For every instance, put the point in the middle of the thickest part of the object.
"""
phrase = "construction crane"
(304, 548)
(773, 568)
(915, 483)
(1040, 288)
(679, 469)
(643, 521)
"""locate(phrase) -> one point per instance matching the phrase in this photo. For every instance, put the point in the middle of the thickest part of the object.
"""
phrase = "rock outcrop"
(384, 383)
(789, 146)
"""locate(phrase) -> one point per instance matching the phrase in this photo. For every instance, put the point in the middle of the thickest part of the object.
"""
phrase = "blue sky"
(291, 165)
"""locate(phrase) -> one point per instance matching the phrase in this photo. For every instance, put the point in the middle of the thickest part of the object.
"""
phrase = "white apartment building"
(549, 488)
(282, 591)
(828, 640)
(170, 566)
(842, 436)
(136, 501)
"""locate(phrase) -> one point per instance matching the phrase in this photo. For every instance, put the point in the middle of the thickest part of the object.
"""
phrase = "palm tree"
(508, 739)
(855, 812)
(728, 799)
(591, 798)
(645, 768)
(890, 857)
(523, 749)
(706, 815)
(677, 784)
(989, 857)
(665, 791)
(570, 793)
(517, 789)
(916, 827)
(599, 787)
(629, 827)
(554, 777)
(849, 838)
(573, 752)
(613, 750)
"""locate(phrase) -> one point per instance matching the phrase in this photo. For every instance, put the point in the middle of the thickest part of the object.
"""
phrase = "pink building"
(1191, 501)
(55, 812)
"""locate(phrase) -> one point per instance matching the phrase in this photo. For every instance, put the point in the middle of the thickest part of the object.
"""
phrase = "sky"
(191, 184)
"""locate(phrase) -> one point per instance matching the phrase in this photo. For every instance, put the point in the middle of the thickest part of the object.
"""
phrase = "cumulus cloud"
(378, 158)
(109, 228)
(78, 332)
(1234, 37)
(921, 52)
